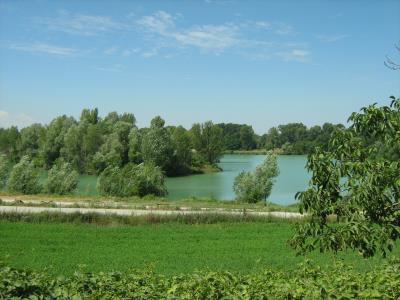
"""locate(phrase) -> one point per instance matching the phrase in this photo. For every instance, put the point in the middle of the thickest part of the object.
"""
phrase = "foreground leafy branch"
(306, 282)
(354, 193)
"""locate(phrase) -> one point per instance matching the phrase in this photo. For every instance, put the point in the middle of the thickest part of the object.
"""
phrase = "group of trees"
(91, 143)
(106, 146)
(296, 138)
(291, 138)
(24, 177)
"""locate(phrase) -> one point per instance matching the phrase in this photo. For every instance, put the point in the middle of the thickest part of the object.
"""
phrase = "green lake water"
(292, 178)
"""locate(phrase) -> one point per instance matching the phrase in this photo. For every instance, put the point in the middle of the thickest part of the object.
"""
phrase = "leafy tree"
(90, 116)
(55, 135)
(231, 136)
(207, 140)
(247, 138)
(132, 180)
(32, 140)
(4, 170)
(72, 146)
(182, 153)
(272, 139)
(111, 153)
(135, 144)
(354, 192)
(10, 139)
(256, 186)
(62, 179)
(24, 177)
(156, 146)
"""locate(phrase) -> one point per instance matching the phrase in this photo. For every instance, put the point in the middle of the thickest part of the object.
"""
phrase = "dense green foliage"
(61, 179)
(257, 185)
(4, 170)
(91, 144)
(356, 184)
(132, 180)
(238, 136)
(296, 138)
(306, 282)
(207, 141)
(24, 177)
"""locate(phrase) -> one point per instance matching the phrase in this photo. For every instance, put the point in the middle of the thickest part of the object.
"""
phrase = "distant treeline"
(91, 143)
(292, 138)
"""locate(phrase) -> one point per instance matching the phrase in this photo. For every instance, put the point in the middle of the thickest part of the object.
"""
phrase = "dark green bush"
(62, 179)
(305, 282)
(24, 177)
(132, 180)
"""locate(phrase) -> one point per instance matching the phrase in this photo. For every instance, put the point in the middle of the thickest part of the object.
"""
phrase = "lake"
(293, 177)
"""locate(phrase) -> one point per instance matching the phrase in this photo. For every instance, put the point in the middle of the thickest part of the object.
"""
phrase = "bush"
(132, 180)
(306, 281)
(62, 179)
(24, 177)
(256, 186)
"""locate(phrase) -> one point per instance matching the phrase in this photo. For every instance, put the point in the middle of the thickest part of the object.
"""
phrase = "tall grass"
(112, 219)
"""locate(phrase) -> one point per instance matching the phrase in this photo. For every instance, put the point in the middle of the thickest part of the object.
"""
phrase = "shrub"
(24, 177)
(132, 180)
(256, 186)
(62, 179)
(306, 281)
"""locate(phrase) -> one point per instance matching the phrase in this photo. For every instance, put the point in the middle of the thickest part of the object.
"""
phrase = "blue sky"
(258, 62)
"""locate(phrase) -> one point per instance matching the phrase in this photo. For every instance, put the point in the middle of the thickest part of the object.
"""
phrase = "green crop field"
(171, 248)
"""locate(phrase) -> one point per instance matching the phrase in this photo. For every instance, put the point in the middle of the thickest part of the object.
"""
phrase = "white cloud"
(161, 29)
(150, 53)
(81, 24)
(11, 119)
(115, 68)
(44, 49)
(111, 50)
(331, 38)
(208, 37)
(160, 22)
(295, 55)
(205, 37)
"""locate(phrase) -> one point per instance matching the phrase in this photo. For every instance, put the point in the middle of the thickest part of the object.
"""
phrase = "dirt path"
(139, 212)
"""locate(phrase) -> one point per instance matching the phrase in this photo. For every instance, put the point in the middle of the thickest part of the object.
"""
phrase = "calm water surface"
(293, 177)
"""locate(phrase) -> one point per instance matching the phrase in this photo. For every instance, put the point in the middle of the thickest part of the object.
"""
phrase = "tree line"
(91, 144)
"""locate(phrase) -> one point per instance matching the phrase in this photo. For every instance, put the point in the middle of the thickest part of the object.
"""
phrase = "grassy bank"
(172, 248)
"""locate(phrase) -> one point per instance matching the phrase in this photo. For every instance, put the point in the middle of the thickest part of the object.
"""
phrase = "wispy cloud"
(205, 37)
(115, 68)
(162, 28)
(44, 49)
(87, 25)
(111, 50)
(295, 55)
(331, 38)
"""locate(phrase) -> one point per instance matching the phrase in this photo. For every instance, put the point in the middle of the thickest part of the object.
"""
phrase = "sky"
(262, 63)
